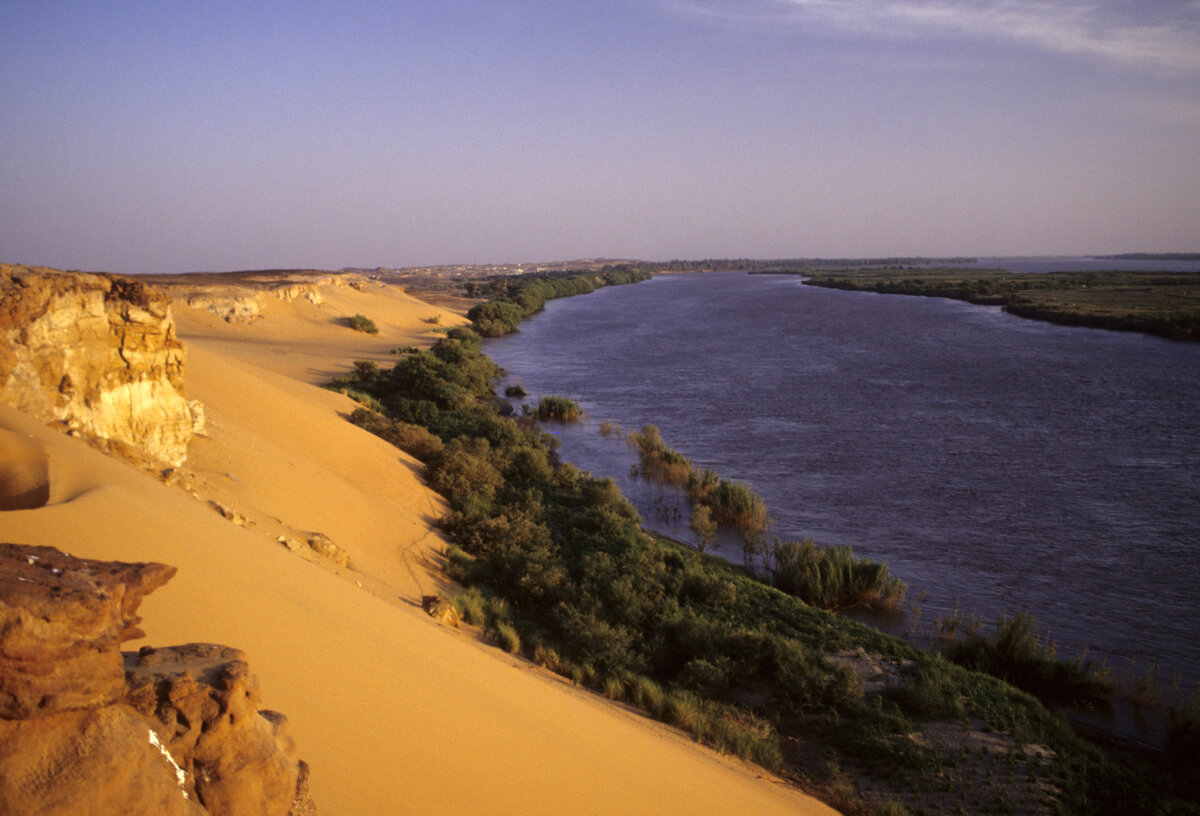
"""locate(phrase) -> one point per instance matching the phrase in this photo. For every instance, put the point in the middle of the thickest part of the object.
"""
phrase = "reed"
(1019, 654)
(832, 578)
(558, 409)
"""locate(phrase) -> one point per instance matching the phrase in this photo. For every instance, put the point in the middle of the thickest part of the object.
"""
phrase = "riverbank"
(1165, 304)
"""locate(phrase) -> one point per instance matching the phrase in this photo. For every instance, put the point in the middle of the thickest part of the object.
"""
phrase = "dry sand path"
(395, 713)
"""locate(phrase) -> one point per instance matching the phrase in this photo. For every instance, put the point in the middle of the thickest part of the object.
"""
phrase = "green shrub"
(362, 323)
(412, 439)
(515, 391)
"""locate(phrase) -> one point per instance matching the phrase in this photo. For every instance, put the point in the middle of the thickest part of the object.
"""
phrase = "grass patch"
(558, 409)
(507, 637)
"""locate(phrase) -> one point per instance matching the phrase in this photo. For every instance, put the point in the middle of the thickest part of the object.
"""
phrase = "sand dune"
(395, 713)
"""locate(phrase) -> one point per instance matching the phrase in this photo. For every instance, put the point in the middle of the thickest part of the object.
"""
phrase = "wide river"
(995, 464)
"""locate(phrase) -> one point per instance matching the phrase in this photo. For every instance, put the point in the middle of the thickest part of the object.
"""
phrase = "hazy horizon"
(166, 137)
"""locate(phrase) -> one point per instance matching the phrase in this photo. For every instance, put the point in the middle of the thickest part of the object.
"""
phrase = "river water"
(995, 464)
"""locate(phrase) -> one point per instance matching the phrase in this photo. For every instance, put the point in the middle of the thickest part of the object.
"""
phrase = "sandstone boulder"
(62, 621)
(86, 730)
(88, 762)
(237, 760)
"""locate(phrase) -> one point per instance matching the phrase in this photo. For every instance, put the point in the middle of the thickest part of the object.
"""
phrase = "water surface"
(996, 464)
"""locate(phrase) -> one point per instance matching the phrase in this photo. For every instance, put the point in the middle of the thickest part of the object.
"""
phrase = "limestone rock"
(62, 621)
(440, 609)
(291, 290)
(232, 307)
(97, 353)
(322, 545)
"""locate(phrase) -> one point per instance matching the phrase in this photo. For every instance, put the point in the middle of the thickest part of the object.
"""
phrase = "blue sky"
(164, 137)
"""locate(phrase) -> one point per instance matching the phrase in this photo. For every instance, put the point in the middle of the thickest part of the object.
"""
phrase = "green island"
(558, 568)
(1166, 304)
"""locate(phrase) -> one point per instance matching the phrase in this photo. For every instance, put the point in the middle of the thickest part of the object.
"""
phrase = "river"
(995, 464)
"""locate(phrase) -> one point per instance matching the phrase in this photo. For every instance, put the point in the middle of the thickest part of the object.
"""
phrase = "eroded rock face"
(97, 353)
(62, 622)
(88, 761)
(237, 759)
(237, 307)
(87, 730)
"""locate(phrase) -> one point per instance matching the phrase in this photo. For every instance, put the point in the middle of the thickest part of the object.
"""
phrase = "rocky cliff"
(87, 730)
(97, 353)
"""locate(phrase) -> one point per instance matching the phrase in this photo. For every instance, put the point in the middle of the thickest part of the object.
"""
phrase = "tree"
(702, 524)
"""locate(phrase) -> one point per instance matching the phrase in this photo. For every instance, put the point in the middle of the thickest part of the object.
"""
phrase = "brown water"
(995, 464)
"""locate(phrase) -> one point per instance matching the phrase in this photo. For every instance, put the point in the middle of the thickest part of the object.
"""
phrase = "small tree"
(702, 524)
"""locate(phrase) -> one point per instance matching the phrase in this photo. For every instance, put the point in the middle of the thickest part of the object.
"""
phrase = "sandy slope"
(395, 713)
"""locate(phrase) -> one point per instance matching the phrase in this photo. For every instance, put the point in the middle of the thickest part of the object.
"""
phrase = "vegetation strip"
(558, 568)
(1166, 304)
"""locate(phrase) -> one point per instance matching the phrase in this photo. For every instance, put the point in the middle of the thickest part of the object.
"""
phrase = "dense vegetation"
(558, 568)
(1166, 304)
(829, 577)
(512, 298)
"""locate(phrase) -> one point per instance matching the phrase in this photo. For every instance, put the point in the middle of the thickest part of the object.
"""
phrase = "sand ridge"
(395, 713)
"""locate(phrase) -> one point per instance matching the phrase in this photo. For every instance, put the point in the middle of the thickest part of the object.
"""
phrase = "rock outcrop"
(97, 353)
(87, 730)
(232, 755)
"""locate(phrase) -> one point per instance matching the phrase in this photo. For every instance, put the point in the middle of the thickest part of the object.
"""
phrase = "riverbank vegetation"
(1166, 304)
(828, 577)
(558, 409)
(558, 568)
(512, 298)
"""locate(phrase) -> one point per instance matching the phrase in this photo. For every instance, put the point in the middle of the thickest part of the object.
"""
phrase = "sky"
(162, 136)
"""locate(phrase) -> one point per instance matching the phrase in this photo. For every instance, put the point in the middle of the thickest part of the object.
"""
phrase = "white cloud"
(1158, 35)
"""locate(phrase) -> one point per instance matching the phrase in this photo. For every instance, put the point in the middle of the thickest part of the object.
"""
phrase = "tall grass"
(657, 462)
(832, 578)
(1019, 654)
(558, 409)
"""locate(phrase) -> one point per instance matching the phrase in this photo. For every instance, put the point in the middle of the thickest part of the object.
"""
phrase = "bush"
(362, 323)
(412, 439)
